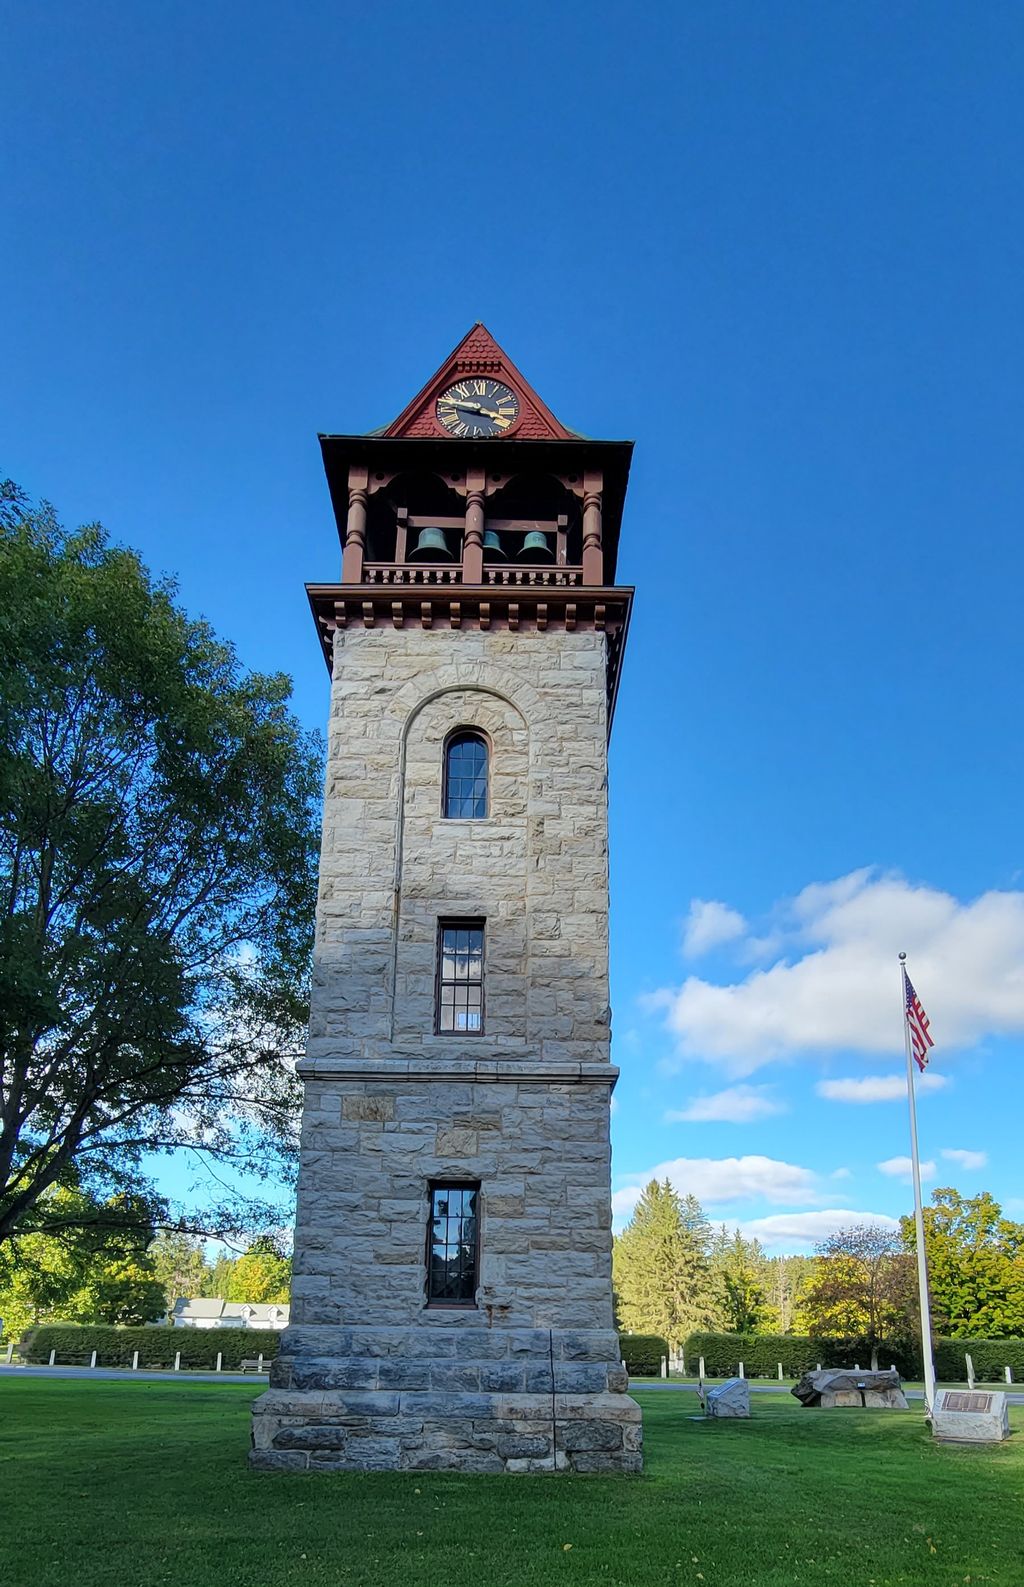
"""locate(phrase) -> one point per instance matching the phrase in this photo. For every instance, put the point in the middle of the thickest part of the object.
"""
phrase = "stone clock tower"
(452, 1298)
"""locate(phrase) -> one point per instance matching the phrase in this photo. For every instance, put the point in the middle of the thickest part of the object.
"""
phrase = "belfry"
(452, 1298)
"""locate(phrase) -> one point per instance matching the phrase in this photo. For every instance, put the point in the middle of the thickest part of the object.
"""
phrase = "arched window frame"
(466, 731)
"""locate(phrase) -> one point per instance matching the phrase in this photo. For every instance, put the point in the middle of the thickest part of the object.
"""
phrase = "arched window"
(465, 777)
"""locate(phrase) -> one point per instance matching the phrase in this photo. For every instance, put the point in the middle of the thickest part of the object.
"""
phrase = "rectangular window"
(460, 977)
(452, 1245)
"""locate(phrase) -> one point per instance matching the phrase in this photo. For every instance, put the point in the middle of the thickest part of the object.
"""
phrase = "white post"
(780, 1371)
(818, 1367)
(1009, 1374)
(92, 1359)
(220, 1357)
(10, 1354)
(922, 1256)
(53, 1358)
(970, 1371)
(259, 1362)
(741, 1369)
(177, 1361)
(700, 1367)
(135, 1361)
(664, 1366)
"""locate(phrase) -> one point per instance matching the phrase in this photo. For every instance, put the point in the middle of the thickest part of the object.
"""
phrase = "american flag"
(917, 1024)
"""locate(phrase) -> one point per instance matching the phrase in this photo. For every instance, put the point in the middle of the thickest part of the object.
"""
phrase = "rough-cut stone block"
(590, 1435)
(278, 1460)
(731, 1398)
(970, 1416)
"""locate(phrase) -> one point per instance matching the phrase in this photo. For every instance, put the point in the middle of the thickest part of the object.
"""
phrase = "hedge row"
(642, 1354)
(761, 1354)
(157, 1347)
(990, 1357)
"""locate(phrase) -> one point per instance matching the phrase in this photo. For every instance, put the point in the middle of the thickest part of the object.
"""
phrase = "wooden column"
(593, 551)
(355, 527)
(473, 539)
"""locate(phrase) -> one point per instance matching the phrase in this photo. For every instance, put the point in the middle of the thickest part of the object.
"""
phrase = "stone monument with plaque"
(970, 1416)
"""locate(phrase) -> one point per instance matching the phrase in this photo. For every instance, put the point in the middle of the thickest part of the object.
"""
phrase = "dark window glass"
(460, 977)
(465, 777)
(452, 1245)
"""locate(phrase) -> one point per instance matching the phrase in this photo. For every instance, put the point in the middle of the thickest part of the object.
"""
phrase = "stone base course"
(411, 1431)
(453, 1399)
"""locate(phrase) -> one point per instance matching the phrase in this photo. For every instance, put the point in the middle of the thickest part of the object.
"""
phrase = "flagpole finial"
(902, 957)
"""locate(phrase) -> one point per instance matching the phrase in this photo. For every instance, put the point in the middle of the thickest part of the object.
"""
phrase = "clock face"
(477, 406)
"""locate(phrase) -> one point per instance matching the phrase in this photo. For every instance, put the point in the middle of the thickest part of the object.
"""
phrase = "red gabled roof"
(479, 354)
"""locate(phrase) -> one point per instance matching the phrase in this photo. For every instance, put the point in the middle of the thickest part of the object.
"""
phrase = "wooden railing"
(448, 573)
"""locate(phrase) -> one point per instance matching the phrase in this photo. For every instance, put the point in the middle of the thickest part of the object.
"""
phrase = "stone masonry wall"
(369, 1375)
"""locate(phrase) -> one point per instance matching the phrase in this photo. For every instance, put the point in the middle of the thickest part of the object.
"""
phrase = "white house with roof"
(201, 1313)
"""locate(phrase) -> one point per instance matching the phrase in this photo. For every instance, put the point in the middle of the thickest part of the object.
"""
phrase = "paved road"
(781, 1388)
(120, 1374)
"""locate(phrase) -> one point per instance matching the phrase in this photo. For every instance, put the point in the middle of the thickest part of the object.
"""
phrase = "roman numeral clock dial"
(477, 407)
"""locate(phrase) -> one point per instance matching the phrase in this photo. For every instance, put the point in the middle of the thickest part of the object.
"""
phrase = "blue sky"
(781, 246)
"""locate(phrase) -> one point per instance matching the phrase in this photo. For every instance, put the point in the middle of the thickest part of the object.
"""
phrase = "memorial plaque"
(956, 1400)
(966, 1416)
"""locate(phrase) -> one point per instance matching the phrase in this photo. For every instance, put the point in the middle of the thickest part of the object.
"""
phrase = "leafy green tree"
(262, 1275)
(661, 1269)
(861, 1288)
(180, 1265)
(740, 1268)
(975, 1266)
(158, 841)
(96, 1270)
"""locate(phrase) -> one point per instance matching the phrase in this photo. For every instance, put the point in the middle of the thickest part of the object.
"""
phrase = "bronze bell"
(536, 548)
(493, 551)
(431, 546)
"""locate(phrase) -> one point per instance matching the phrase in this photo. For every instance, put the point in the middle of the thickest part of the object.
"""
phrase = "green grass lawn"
(110, 1484)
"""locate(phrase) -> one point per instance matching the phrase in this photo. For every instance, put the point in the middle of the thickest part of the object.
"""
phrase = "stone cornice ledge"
(500, 1070)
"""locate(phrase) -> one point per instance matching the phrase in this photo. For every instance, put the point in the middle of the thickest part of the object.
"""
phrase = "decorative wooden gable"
(478, 354)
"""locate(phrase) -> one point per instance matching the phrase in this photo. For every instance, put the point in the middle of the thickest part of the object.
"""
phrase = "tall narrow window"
(460, 976)
(465, 777)
(452, 1245)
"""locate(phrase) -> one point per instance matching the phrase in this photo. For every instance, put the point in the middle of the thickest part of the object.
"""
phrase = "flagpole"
(922, 1258)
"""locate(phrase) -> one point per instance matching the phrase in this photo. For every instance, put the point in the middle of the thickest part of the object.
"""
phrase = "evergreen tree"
(660, 1266)
(740, 1268)
(180, 1265)
(786, 1279)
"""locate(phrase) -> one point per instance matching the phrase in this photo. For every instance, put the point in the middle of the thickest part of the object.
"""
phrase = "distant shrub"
(642, 1354)
(156, 1346)
(761, 1354)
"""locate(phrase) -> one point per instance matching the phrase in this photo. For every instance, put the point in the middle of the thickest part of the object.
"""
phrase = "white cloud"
(966, 1159)
(836, 984)
(724, 1179)
(877, 1088)
(903, 1168)
(734, 1105)
(788, 1229)
(708, 925)
(840, 1173)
